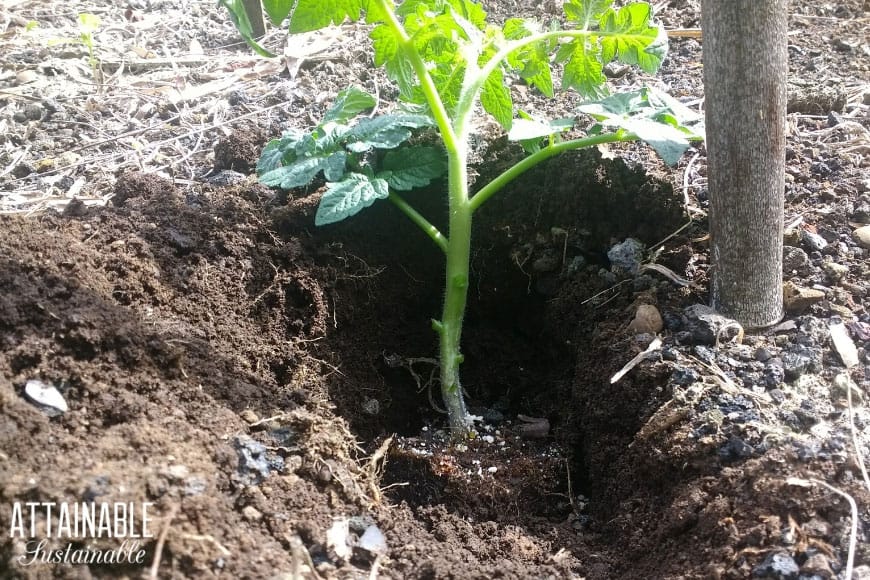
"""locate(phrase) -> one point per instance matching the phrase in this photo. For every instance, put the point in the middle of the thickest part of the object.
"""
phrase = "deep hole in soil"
(538, 251)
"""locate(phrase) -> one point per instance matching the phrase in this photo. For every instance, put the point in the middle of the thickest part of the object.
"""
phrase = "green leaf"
(89, 23)
(525, 129)
(348, 104)
(277, 10)
(348, 197)
(634, 40)
(650, 115)
(384, 132)
(303, 171)
(398, 67)
(240, 18)
(584, 69)
(411, 167)
(582, 13)
(470, 11)
(532, 62)
(271, 157)
(496, 99)
(316, 14)
(385, 42)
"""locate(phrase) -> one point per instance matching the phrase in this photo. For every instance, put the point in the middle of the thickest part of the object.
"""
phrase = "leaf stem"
(439, 112)
(494, 186)
(470, 93)
(416, 217)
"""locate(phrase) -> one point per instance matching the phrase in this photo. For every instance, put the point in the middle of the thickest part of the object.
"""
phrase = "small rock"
(373, 541)
(777, 565)
(706, 325)
(796, 299)
(647, 320)
(249, 416)
(226, 178)
(841, 311)
(685, 376)
(626, 256)
(795, 260)
(835, 271)
(338, 539)
(763, 355)
(371, 407)
(46, 396)
(705, 354)
(861, 572)
(813, 241)
(33, 111)
(177, 471)
(251, 513)
(818, 565)
(195, 486)
(859, 330)
(735, 449)
(800, 360)
(816, 527)
(256, 462)
(862, 236)
(774, 373)
(533, 427)
(25, 76)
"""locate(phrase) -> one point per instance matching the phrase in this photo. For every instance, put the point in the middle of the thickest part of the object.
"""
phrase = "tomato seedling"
(446, 61)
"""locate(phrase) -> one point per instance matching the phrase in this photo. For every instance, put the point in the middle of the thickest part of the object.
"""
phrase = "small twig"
(300, 556)
(376, 565)
(855, 441)
(685, 33)
(209, 539)
(161, 541)
(653, 346)
(853, 536)
(605, 291)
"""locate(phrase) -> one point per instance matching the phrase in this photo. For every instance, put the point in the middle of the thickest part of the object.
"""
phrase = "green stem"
(439, 111)
(421, 221)
(468, 96)
(449, 327)
(457, 246)
(494, 186)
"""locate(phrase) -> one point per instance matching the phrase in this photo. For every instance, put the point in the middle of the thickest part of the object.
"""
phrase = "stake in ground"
(446, 60)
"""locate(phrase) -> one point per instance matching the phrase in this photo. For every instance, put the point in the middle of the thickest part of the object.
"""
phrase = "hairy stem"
(449, 327)
(439, 111)
(421, 221)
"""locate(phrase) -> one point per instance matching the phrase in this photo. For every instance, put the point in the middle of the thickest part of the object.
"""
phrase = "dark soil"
(258, 379)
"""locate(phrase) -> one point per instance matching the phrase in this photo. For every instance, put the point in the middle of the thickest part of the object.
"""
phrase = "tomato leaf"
(348, 104)
(384, 132)
(410, 167)
(348, 197)
(302, 171)
(654, 117)
(316, 14)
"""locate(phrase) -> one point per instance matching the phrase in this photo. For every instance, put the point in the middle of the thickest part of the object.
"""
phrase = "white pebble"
(46, 395)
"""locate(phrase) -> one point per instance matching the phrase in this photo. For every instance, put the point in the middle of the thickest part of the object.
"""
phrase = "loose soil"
(259, 380)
